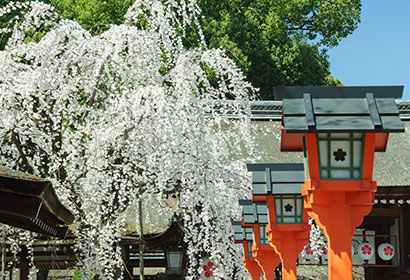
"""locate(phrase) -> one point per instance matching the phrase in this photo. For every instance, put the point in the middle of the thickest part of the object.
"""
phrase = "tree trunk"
(3, 257)
(141, 239)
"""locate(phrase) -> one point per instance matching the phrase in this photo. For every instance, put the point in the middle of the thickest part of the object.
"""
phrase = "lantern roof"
(291, 92)
(241, 234)
(340, 109)
(254, 213)
(277, 178)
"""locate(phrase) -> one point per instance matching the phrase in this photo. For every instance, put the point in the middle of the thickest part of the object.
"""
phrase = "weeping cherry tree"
(108, 118)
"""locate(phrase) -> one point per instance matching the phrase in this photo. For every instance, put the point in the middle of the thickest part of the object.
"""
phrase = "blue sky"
(378, 51)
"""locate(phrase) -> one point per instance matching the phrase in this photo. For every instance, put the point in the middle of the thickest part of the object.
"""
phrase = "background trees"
(279, 42)
(93, 15)
(273, 42)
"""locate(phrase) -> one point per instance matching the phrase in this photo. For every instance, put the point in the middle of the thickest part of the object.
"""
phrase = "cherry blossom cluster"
(316, 240)
(127, 113)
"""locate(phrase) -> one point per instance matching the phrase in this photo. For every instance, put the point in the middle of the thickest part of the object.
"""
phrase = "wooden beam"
(385, 212)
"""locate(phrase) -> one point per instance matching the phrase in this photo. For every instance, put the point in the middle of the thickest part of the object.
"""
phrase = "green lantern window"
(305, 158)
(288, 208)
(263, 236)
(249, 248)
(340, 155)
(248, 234)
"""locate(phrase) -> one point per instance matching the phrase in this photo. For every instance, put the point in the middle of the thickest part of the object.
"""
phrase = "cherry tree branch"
(17, 143)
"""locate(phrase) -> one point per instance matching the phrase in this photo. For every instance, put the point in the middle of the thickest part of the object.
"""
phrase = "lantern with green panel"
(332, 126)
(280, 186)
(256, 214)
(244, 236)
(339, 129)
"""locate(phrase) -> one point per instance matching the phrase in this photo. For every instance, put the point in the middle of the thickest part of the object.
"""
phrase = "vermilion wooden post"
(338, 207)
(266, 256)
(250, 263)
(253, 268)
(288, 244)
(267, 259)
(262, 258)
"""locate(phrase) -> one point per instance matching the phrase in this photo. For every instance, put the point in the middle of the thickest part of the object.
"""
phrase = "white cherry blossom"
(107, 118)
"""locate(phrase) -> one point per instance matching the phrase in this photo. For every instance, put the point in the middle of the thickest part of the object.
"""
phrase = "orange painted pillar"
(338, 207)
(267, 259)
(252, 267)
(338, 214)
(288, 245)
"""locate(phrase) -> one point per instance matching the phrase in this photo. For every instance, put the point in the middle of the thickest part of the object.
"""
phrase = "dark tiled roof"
(241, 234)
(367, 114)
(254, 213)
(272, 110)
(277, 178)
(340, 109)
(31, 203)
(346, 92)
